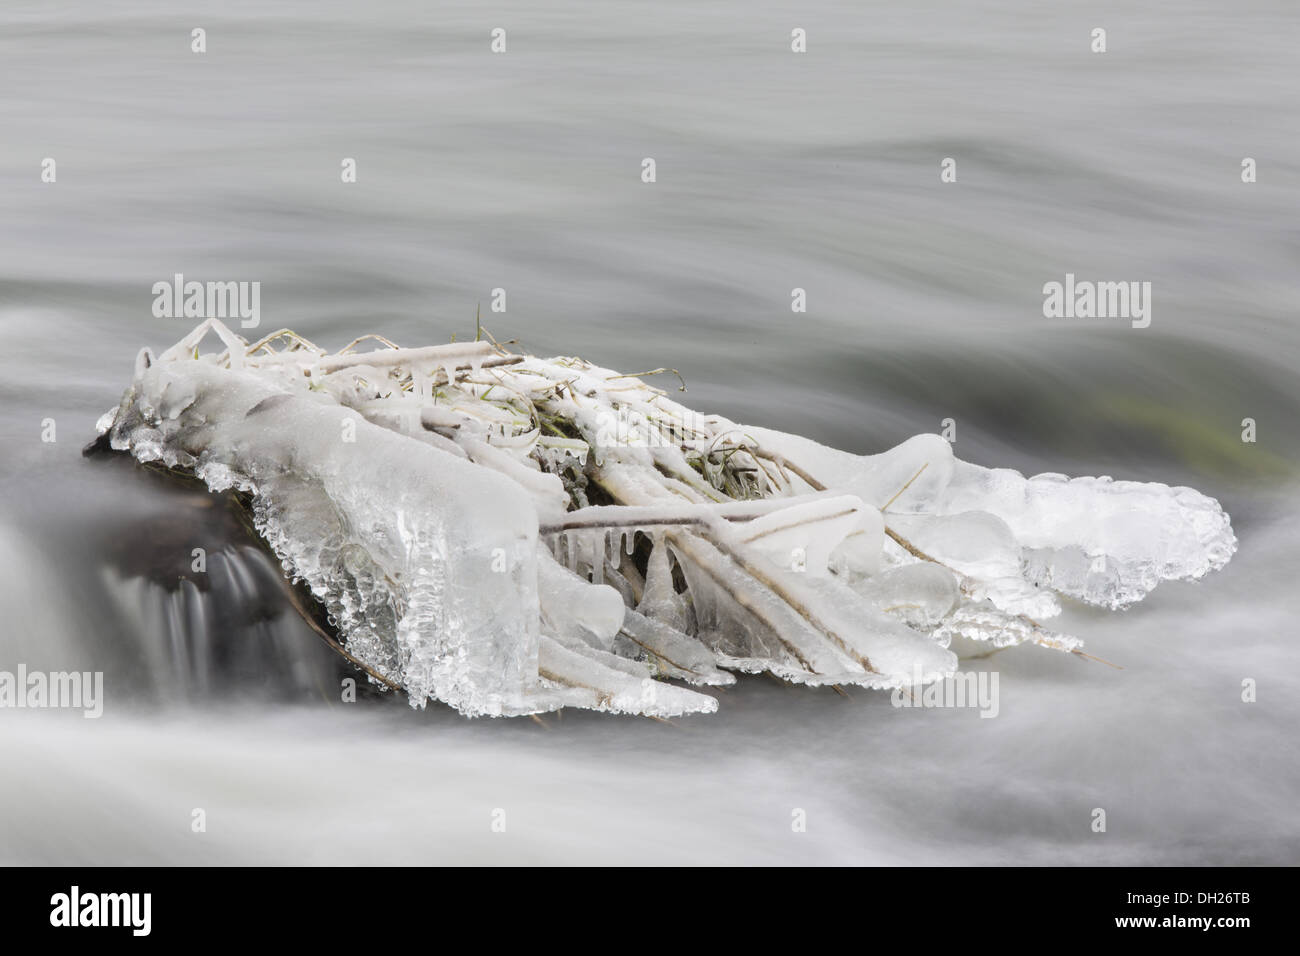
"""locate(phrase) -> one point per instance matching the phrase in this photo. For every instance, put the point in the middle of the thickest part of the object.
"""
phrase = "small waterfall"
(122, 592)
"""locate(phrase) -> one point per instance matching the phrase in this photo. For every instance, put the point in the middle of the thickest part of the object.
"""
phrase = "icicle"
(571, 549)
(596, 555)
(660, 599)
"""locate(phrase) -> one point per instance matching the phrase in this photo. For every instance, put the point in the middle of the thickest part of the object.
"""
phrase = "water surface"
(522, 171)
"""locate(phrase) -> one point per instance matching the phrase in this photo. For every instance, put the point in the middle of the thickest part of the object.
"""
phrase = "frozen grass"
(511, 534)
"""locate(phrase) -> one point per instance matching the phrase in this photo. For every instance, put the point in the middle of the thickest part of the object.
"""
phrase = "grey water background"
(775, 171)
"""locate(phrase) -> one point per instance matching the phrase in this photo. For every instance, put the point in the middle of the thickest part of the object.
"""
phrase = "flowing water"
(775, 170)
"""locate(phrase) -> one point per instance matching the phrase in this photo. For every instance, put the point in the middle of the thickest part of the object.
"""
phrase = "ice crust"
(437, 502)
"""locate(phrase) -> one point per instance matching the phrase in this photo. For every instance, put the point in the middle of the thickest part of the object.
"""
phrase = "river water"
(774, 171)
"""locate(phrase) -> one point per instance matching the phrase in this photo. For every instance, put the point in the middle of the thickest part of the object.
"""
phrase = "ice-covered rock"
(510, 535)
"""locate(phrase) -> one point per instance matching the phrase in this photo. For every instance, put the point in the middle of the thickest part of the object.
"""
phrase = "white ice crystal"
(510, 535)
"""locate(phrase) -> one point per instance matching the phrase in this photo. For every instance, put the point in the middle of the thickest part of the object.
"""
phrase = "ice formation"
(511, 535)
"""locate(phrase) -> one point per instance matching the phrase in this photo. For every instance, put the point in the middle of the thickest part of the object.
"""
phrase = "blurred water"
(775, 170)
